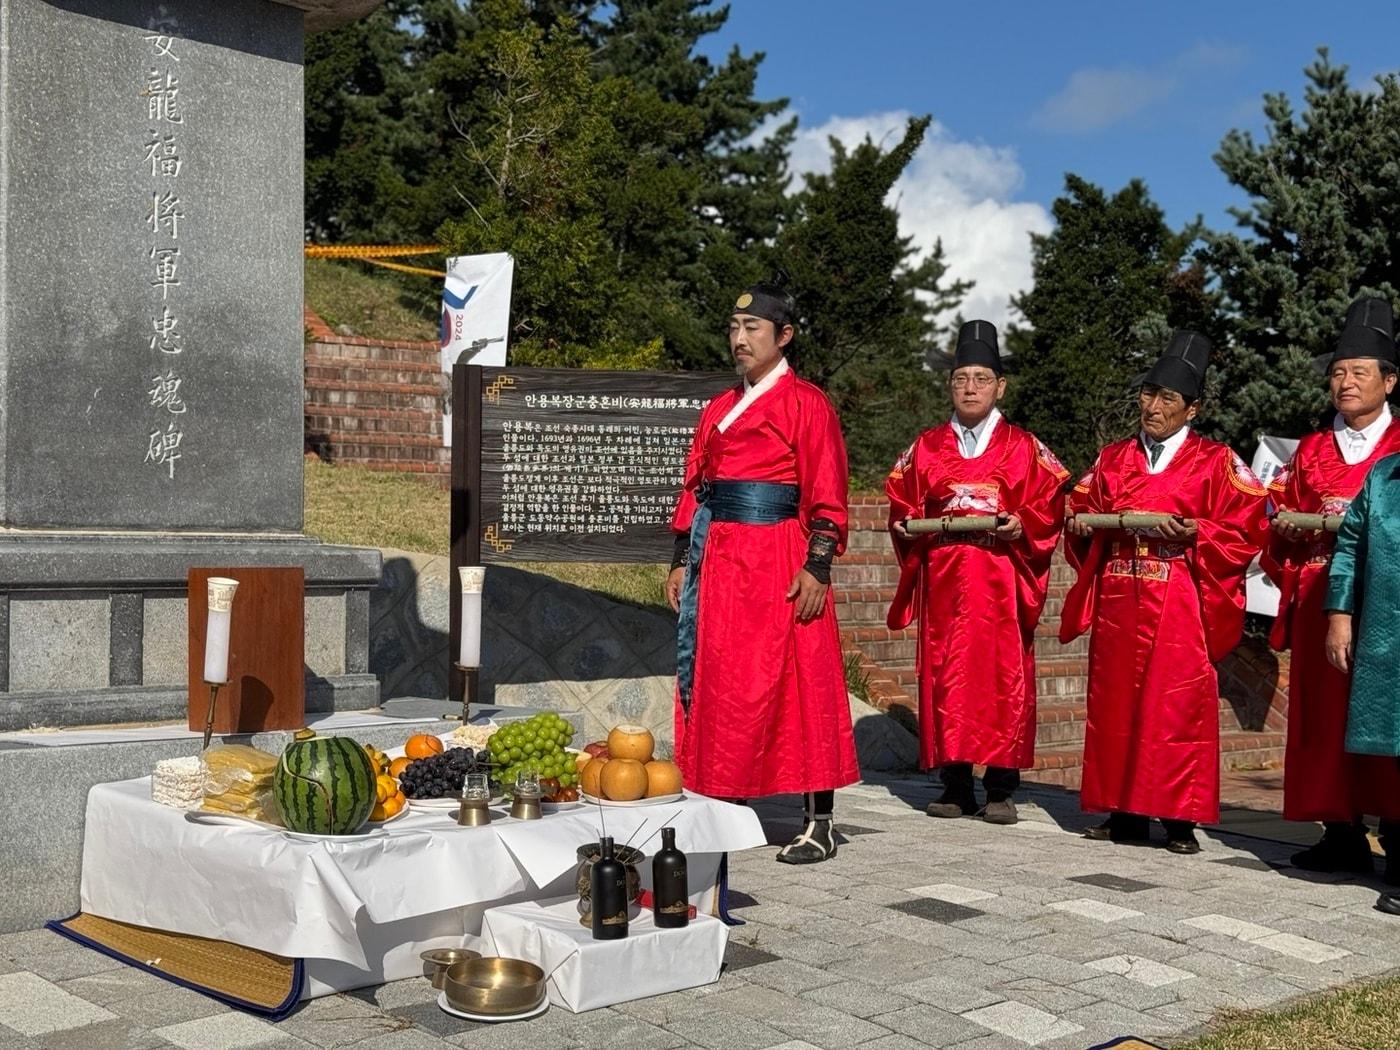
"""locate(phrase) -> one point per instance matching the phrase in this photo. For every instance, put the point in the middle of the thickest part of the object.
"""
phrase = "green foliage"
(867, 302)
(1110, 285)
(1322, 227)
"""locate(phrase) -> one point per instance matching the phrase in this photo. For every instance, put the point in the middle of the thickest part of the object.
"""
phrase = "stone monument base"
(93, 626)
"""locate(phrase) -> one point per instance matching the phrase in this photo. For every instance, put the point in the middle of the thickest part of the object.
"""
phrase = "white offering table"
(359, 909)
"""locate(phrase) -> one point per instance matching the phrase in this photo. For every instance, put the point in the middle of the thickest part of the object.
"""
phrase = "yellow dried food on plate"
(240, 757)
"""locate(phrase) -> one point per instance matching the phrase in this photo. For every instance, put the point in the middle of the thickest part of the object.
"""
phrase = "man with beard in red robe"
(761, 687)
(1321, 781)
(978, 595)
(1164, 604)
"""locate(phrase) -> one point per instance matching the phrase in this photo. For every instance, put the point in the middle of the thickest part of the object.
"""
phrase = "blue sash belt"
(750, 502)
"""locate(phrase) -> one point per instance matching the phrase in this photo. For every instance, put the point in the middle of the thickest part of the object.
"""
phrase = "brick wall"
(374, 402)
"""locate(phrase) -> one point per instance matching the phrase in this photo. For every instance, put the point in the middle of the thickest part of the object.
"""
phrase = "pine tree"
(1322, 227)
(1111, 282)
(867, 300)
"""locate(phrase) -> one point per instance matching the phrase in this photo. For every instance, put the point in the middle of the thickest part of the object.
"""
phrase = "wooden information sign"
(267, 684)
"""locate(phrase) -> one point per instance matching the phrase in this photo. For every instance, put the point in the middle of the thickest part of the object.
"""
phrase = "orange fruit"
(394, 804)
(421, 745)
(379, 812)
(589, 777)
(634, 742)
(663, 778)
(623, 779)
(385, 787)
(398, 765)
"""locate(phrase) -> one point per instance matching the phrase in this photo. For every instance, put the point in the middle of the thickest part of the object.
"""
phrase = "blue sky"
(1023, 92)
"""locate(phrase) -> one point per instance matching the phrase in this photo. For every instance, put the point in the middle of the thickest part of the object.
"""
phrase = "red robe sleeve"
(694, 468)
(1228, 537)
(821, 464)
(904, 491)
(1037, 503)
(1281, 560)
(1083, 554)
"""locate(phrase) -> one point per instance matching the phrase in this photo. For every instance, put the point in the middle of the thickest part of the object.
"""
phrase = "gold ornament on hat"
(744, 302)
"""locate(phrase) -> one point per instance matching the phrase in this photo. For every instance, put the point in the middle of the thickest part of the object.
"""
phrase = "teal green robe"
(1365, 581)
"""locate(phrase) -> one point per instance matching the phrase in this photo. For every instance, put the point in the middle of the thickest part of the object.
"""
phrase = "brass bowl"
(494, 986)
(437, 960)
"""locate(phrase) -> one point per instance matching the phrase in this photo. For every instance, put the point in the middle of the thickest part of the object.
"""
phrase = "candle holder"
(209, 718)
(471, 684)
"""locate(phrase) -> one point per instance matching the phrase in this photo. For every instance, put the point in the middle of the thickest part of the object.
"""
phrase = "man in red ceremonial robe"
(977, 595)
(1321, 781)
(761, 686)
(1164, 603)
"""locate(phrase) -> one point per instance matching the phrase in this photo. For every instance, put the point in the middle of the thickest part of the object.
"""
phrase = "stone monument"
(151, 348)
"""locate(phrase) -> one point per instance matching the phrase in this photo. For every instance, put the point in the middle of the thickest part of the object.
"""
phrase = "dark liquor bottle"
(608, 895)
(670, 888)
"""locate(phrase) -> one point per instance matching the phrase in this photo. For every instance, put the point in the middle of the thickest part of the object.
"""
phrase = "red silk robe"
(1161, 614)
(977, 598)
(1320, 780)
(770, 712)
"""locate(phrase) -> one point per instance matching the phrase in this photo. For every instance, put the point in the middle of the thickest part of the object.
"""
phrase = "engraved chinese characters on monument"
(152, 247)
(583, 465)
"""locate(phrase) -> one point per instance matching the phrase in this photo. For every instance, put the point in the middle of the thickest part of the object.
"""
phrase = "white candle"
(473, 580)
(216, 633)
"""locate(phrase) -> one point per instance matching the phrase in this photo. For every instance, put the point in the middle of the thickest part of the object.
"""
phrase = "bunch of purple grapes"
(441, 775)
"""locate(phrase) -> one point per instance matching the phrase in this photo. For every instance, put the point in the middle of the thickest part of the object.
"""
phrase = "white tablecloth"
(585, 974)
(359, 909)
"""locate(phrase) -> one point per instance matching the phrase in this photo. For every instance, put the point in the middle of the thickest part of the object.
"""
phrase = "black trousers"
(999, 783)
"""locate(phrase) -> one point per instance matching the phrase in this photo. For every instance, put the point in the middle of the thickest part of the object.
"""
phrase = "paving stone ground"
(920, 933)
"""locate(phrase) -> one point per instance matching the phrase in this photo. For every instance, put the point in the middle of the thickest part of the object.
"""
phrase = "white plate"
(490, 1018)
(657, 801)
(204, 816)
(441, 804)
(560, 807)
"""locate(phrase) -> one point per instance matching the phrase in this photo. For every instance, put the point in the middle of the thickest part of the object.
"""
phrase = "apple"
(598, 749)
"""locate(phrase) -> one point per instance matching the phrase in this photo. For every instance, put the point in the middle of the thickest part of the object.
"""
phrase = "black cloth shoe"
(1348, 851)
(951, 804)
(814, 845)
(1184, 844)
(1389, 903)
(1000, 812)
(1120, 827)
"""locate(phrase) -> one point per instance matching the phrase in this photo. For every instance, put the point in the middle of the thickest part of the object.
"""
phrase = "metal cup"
(525, 807)
(473, 813)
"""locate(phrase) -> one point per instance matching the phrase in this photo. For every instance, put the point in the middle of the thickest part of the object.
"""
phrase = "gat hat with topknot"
(1182, 366)
(978, 346)
(1367, 332)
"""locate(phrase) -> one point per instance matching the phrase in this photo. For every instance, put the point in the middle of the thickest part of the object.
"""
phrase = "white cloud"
(1095, 98)
(955, 190)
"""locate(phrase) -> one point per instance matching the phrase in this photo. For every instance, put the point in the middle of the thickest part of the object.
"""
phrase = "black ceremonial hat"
(770, 300)
(1182, 366)
(1368, 332)
(977, 346)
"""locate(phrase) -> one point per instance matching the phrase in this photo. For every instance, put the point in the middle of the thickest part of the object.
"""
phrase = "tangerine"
(421, 745)
(398, 765)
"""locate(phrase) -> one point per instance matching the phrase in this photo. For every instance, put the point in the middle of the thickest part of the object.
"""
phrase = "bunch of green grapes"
(536, 743)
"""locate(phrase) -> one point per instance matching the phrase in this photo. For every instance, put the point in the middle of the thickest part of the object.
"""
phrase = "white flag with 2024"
(475, 315)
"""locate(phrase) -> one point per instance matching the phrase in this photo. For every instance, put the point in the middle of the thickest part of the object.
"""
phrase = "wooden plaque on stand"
(267, 685)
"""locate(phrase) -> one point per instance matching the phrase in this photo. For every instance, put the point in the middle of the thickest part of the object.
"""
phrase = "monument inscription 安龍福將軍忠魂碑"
(152, 368)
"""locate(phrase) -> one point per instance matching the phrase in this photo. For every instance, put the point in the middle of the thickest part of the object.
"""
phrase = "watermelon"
(324, 786)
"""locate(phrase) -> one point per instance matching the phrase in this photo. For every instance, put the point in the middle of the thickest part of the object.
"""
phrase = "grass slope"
(368, 508)
(372, 306)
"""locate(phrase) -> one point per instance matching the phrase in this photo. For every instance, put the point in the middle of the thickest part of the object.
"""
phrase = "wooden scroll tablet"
(975, 523)
(1315, 522)
(266, 681)
(1127, 519)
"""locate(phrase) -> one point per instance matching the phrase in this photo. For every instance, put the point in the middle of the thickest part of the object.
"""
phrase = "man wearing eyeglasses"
(1163, 603)
(1321, 781)
(977, 594)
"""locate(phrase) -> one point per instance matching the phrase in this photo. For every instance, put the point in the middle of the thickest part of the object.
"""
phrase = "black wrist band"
(681, 554)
